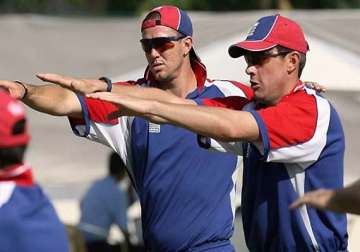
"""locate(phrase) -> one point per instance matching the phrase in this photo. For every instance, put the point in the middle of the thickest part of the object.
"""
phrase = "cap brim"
(239, 49)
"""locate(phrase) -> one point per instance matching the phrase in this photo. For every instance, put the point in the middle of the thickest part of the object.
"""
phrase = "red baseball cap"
(172, 17)
(269, 32)
(11, 112)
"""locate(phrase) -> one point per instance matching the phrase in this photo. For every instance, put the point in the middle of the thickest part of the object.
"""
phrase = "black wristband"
(25, 89)
(108, 83)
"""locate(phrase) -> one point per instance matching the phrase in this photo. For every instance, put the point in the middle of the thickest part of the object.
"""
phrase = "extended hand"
(84, 86)
(16, 90)
(320, 199)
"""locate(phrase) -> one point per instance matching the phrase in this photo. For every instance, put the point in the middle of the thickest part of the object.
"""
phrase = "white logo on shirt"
(154, 128)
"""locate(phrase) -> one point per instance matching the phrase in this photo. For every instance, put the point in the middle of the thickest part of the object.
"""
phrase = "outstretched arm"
(87, 86)
(219, 123)
(346, 200)
(48, 99)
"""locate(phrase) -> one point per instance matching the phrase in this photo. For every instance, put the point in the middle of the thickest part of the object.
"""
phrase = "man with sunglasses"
(187, 194)
(290, 137)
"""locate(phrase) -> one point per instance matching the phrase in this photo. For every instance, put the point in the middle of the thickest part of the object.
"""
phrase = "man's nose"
(250, 69)
(153, 53)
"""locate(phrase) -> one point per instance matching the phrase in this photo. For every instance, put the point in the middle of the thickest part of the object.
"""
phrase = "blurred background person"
(28, 221)
(104, 204)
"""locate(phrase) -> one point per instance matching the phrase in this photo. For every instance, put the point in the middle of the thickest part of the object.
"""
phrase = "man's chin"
(258, 96)
(160, 77)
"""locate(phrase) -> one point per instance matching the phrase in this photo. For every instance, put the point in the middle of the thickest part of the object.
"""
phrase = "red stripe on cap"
(170, 17)
(288, 34)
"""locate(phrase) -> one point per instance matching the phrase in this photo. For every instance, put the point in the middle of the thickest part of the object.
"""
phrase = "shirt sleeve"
(96, 127)
(235, 95)
(293, 131)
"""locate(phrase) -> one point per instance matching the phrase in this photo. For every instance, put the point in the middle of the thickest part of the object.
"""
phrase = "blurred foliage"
(322, 4)
(131, 7)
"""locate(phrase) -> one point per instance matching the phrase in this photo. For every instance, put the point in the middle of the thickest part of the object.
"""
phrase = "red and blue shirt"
(301, 149)
(187, 194)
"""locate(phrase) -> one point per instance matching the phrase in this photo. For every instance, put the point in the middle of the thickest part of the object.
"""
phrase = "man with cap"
(28, 221)
(186, 193)
(291, 140)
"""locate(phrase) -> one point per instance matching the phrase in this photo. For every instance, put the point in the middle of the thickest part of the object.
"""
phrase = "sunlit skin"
(273, 77)
(168, 66)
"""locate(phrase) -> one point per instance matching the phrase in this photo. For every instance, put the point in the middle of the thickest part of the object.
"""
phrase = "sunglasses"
(160, 43)
(257, 58)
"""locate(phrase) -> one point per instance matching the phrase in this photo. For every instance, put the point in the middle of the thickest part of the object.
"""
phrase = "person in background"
(28, 221)
(104, 204)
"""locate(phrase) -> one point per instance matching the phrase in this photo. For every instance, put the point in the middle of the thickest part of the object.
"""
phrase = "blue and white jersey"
(186, 193)
(28, 221)
(301, 149)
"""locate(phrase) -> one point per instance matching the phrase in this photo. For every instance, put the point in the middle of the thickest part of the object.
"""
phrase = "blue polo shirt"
(186, 193)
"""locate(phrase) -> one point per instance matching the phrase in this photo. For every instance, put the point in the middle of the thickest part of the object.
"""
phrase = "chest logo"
(154, 128)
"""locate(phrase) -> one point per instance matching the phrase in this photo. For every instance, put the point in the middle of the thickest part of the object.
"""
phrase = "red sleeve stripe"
(293, 121)
(230, 102)
(99, 111)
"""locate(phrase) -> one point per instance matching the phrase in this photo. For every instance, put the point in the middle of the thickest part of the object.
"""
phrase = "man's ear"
(187, 44)
(293, 61)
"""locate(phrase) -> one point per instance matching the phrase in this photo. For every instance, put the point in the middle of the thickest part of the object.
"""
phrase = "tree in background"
(131, 7)
(325, 4)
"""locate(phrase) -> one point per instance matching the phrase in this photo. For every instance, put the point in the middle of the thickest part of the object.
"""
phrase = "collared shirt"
(301, 149)
(187, 194)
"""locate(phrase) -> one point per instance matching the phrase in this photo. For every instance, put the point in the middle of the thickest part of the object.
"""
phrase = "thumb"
(296, 204)
(77, 85)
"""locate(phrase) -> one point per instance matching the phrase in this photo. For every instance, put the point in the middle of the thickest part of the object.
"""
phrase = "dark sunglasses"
(257, 58)
(159, 43)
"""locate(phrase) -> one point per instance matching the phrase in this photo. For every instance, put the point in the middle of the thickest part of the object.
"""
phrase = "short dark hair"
(302, 57)
(11, 156)
(14, 155)
(117, 167)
